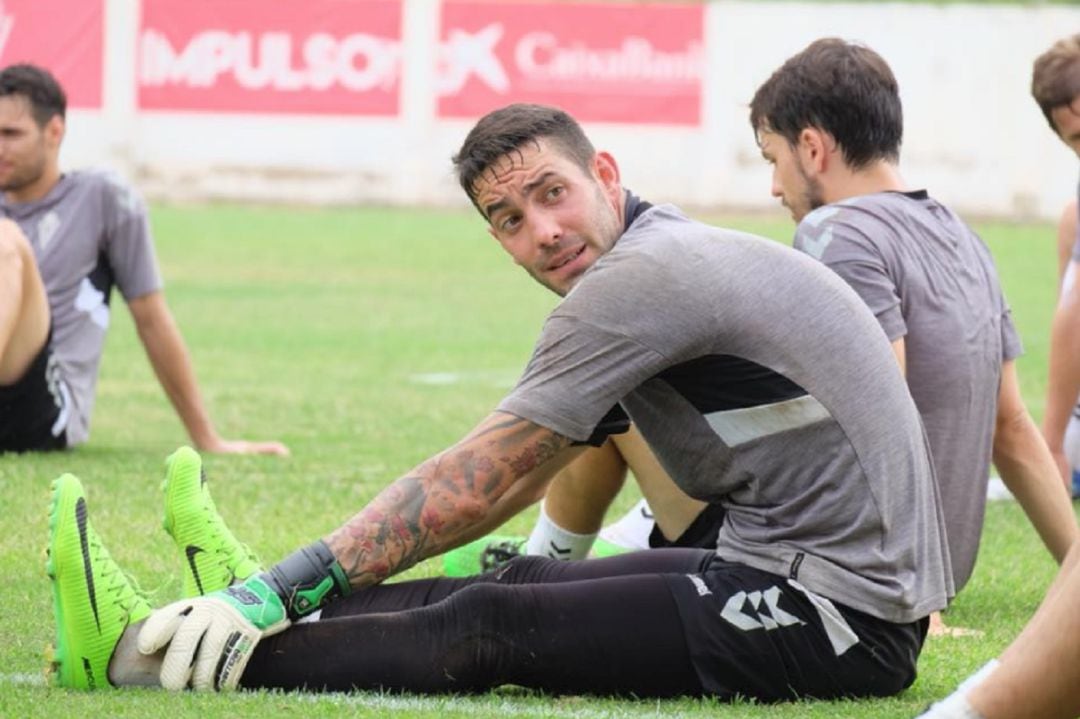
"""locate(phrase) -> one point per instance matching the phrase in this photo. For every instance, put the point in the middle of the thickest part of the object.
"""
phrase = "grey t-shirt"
(762, 382)
(929, 279)
(89, 233)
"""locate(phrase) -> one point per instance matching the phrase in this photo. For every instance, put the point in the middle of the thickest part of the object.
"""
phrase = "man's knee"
(15, 251)
(11, 233)
(24, 304)
(526, 569)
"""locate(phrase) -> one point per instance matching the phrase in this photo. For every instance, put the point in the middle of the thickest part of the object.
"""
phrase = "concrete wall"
(973, 135)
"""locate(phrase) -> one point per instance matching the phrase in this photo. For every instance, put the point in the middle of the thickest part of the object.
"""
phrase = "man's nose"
(546, 232)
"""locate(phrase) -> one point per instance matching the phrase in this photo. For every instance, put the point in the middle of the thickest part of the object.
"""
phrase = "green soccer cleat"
(213, 557)
(603, 548)
(92, 599)
(482, 555)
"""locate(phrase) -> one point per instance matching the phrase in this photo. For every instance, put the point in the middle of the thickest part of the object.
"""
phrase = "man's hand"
(210, 639)
(242, 446)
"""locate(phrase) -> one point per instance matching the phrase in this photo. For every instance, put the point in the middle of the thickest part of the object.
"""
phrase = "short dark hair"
(1055, 78)
(507, 130)
(843, 88)
(38, 86)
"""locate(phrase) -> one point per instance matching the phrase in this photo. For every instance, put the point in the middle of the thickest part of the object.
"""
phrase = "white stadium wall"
(238, 99)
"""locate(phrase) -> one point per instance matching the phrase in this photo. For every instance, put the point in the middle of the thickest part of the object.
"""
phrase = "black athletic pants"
(658, 623)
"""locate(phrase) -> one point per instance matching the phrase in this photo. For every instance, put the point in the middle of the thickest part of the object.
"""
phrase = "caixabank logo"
(603, 62)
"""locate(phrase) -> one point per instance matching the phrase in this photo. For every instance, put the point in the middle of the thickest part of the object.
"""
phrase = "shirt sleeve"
(1011, 346)
(852, 256)
(128, 242)
(577, 373)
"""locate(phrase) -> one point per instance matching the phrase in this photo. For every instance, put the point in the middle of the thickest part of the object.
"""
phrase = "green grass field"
(367, 340)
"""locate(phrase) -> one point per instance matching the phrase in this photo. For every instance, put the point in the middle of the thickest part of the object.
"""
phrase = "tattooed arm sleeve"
(439, 504)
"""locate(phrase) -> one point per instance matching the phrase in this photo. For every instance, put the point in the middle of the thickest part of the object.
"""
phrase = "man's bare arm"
(1063, 377)
(434, 507)
(1028, 469)
(1066, 238)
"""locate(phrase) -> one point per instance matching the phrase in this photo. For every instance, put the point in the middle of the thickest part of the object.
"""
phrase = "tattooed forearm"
(427, 510)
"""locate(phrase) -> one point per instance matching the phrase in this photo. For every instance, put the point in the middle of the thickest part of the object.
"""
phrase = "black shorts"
(757, 634)
(701, 534)
(34, 410)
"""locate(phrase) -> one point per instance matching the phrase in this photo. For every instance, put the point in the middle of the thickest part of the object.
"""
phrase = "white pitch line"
(22, 678)
(505, 707)
(489, 378)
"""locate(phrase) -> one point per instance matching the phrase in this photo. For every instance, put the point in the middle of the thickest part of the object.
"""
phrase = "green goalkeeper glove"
(210, 639)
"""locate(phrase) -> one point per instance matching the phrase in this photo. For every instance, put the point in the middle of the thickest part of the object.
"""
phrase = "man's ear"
(607, 172)
(814, 148)
(54, 131)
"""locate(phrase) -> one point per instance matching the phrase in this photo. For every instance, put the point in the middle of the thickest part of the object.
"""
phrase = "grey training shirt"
(762, 382)
(88, 233)
(929, 279)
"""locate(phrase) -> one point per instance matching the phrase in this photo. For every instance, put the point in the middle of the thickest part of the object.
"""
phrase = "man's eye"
(510, 222)
(554, 192)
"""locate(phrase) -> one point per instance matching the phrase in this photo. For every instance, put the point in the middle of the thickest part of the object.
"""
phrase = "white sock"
(956, 705)
(633, 529)
(550, 540)
(978, 677)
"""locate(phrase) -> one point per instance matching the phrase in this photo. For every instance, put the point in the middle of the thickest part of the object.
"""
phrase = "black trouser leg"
(600, 626)
(520, 570)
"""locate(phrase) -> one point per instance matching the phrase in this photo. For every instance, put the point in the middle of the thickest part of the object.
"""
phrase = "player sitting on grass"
(66, 240)
(1038, 675)
(759, 378)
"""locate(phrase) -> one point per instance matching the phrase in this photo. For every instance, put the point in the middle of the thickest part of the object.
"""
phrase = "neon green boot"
(213, 557)
(93, 601)
(482, 555)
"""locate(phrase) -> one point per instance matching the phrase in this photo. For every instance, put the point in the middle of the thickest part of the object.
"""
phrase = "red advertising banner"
(602, 62)
(65, 36)
(319, 56)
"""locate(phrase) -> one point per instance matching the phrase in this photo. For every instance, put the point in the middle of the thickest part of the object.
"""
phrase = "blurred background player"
(1055, 85)
(70, 238)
